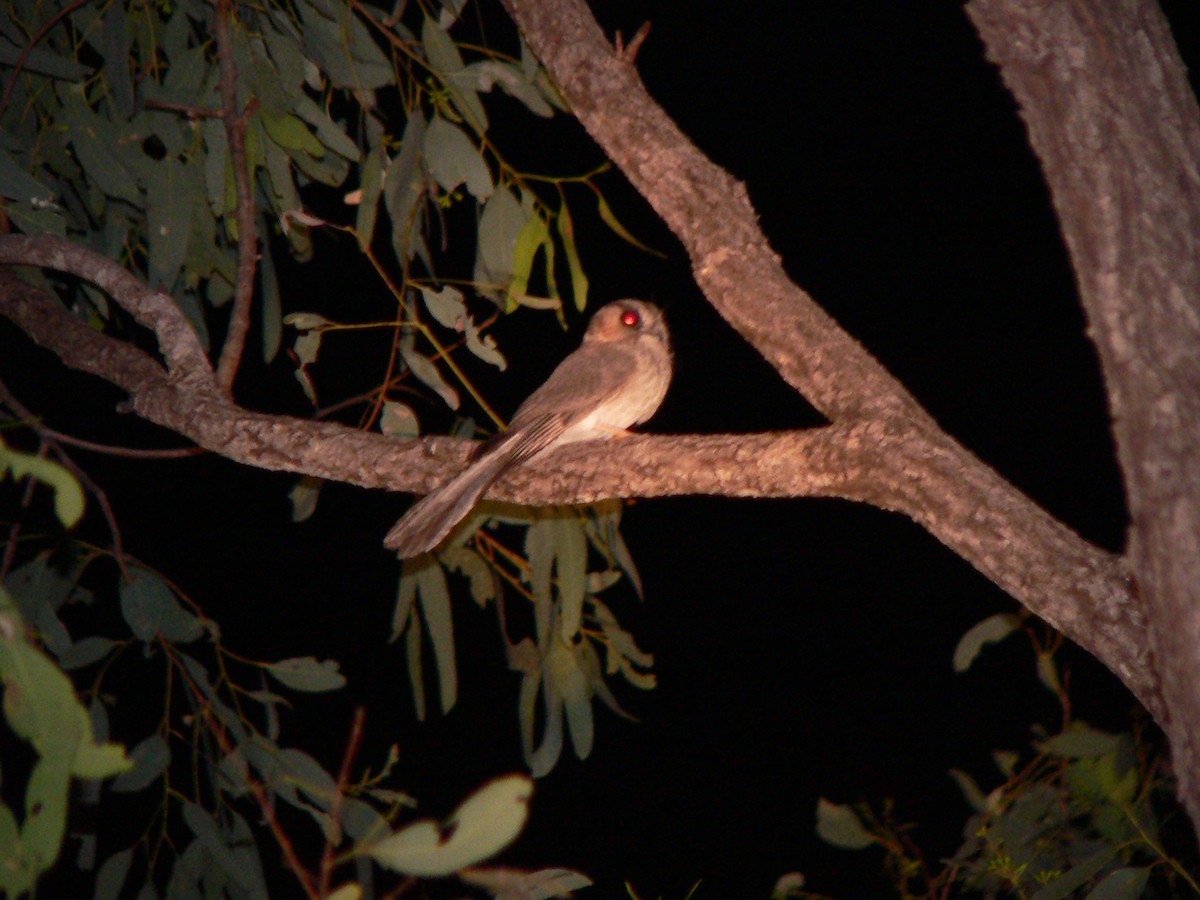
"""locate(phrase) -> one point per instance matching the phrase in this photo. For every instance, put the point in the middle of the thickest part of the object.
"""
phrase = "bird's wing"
(584, 380)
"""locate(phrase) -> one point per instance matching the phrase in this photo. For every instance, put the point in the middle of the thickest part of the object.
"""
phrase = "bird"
(616, 378)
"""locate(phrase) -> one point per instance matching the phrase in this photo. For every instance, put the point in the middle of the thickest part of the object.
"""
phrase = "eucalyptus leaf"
(150, 759)
(426, 371)
(453, 159)
(990, 631)
(151, 610)
(445, 60)
(486, 822)
(110, 879)
(306, 673)
(839, 825)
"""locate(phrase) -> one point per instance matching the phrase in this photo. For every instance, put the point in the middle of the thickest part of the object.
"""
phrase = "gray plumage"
(617, 378)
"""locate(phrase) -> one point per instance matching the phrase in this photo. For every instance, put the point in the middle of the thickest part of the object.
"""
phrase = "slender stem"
(235, 132)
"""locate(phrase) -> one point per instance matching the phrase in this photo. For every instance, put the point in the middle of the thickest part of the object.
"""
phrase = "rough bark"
(1110, 115)
(881, 448)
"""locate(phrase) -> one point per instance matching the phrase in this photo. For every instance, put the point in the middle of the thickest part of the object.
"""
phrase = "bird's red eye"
(630, 318)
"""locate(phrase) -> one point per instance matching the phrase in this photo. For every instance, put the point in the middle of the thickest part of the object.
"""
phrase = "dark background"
(802, 648)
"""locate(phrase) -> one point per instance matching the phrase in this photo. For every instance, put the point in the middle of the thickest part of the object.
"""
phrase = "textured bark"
(1110, 115)
(882, 448)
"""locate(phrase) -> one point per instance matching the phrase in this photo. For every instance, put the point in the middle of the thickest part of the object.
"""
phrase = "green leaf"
(535, 235)
(570, 563)
(290, 133)
(304, 494)
(41, 62)
(272, 306)
(150, 759)
(990, 631)
(205, 827)
(116, 59)
(404, 186)
(446, 306)
(500, 228)
(970, 790)
(93, 140)
(1123, 884)
(426, 371)
(368, 202)
(483, 346)
(111, 877)
(434, 596)
(452, 159)
(398, 420)
(17, 184)
(840, 826)
(342, 47)
(487, 822)
(569, 682)
(328, 132)
(579, 279)
(68, 495)
(85, 652)
(445, 60)
(306, 673)
(488, 73)
(1081, 741)
(151, 610)
(606, 215)
(168, 220)
(1076, 877)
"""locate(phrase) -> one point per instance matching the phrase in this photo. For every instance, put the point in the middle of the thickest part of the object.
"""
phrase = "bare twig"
(235, 132)
(64, 459)
(335, 806)
(33, 42)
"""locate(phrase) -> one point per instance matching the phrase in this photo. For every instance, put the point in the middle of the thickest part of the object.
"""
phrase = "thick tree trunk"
(1110, 114)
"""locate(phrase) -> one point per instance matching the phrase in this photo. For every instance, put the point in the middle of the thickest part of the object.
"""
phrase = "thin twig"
(127, 452)
(49, 441)
(33, 42)
(10, 547)
(235, 133)
(335, 806)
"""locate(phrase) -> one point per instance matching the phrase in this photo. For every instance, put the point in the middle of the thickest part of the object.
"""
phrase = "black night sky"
(802, 648)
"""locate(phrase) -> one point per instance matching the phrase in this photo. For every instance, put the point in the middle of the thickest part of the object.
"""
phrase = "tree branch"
(1114, 122)
(742, 277)
(914, 470)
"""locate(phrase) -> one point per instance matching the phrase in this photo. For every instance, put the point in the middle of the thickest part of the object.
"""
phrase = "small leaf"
(444, 58)
(970, 790)
(606, 214)
(272, 306)
(579, 279)
(150, 759)
(306, 673)
(398, 420)
(426, 371)
(434, 596)
(304, 494)
(487, 822)
(371, 187)
(17, 184)
(1080, 742)
(68, 495)
(151, 610)
(500, 227)
(484, 346)
(989, 631)
(840, 826)
(85, 652)
(1123, 884)
(452, 159)
(446, 305)
(111, 877)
